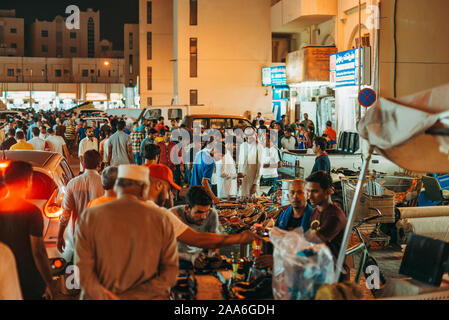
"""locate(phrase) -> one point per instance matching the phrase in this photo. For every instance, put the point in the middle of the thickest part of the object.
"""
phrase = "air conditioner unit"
(285, 94)
(326, 91)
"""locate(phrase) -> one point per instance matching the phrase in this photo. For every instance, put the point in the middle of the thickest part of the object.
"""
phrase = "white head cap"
(134, 172)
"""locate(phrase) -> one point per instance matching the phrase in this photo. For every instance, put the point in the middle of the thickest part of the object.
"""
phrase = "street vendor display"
(397, 128)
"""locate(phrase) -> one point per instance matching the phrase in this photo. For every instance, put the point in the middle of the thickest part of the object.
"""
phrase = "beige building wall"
(60, 37)
(60, 70)
(131, 49)
(234, 43)
(161, 62)
(422, 46)
(11, 43)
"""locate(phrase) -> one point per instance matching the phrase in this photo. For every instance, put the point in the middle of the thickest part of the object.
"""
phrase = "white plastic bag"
(302, 263)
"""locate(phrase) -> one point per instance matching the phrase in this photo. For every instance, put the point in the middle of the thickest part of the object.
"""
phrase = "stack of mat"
(431, 222)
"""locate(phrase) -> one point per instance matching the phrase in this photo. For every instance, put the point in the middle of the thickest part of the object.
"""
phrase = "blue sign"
(367, 97)
(274, 76)
(344, 68)
(277, 93)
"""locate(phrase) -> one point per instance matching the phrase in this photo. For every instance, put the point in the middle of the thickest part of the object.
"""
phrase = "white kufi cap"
(134, 172)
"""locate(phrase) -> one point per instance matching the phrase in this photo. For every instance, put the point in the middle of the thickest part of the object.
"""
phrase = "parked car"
(51, 174)
(214, 121)
(5, 115)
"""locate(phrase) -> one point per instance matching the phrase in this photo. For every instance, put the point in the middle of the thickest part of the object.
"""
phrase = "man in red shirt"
(160, 125)
(331, 134)
(328, 220)
(169, 151)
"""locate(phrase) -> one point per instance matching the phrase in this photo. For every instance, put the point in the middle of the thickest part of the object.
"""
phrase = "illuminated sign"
(17, 94)
(96, 97)
(344, 66)
(67, 96)
(43, 95)
(274, 76)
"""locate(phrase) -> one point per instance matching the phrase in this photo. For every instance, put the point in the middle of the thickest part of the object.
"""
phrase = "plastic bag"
(302, 263)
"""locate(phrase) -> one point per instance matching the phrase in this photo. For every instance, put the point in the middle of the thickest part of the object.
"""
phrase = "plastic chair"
(433, 189)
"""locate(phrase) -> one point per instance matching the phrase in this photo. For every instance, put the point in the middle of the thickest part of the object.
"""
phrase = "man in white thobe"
(226, 173)
(250, 164)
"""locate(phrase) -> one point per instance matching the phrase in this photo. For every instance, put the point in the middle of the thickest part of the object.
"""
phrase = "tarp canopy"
(413, 131)
(83, 106)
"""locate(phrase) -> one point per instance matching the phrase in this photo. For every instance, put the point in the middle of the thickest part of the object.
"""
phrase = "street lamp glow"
(106, 63)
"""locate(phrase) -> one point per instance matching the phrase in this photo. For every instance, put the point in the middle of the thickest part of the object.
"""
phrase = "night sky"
(113, 13)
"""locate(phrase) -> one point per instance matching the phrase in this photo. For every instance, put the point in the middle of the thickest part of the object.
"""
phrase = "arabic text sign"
(344, 68)
(274, 76)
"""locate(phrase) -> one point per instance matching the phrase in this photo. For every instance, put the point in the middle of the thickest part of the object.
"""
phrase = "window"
(201, 123)
(131, 64)
(149, 101)
(149, 46)
(193, 97)
(72, 35)
(73, 49)
(193, 12)
(58, 73)
(10, 72)
(219, 124)
(14, 45)
(66, 71)
(13, 30)
(149, 9)
(90, 38)
(85, 73)
(131, 40)
(174, 113)
(150, 78)
(92, 71)
(44, 33)
(193, 57)
(152, 113)
(44, 48)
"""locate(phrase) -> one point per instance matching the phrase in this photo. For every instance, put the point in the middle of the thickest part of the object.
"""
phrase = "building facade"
(12, 32)
(61, 82)
(53, 39)
(194, 52)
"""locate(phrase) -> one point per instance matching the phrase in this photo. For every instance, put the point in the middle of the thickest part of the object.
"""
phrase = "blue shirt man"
(299, 212)
(286, 220)
(204, 165)
(322, 162)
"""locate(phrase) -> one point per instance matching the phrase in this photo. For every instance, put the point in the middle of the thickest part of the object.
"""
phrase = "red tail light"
(51, 209)
(4, 165)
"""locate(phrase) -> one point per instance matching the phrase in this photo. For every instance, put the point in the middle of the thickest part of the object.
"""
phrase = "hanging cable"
(395, 49)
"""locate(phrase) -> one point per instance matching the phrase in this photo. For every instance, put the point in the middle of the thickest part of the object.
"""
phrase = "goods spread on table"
(243, 280)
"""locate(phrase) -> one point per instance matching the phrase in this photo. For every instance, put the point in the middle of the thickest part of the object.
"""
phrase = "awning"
(413, 131)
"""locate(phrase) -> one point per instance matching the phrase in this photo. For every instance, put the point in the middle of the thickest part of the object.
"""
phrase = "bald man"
(295, 216)
(299, 212)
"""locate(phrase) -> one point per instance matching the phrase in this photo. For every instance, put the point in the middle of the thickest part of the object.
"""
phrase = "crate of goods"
(385, 203)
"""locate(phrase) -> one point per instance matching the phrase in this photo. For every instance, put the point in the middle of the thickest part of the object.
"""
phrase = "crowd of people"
(130, 183)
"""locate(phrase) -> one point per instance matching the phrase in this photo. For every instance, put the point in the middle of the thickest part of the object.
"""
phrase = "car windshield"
(42, 187)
